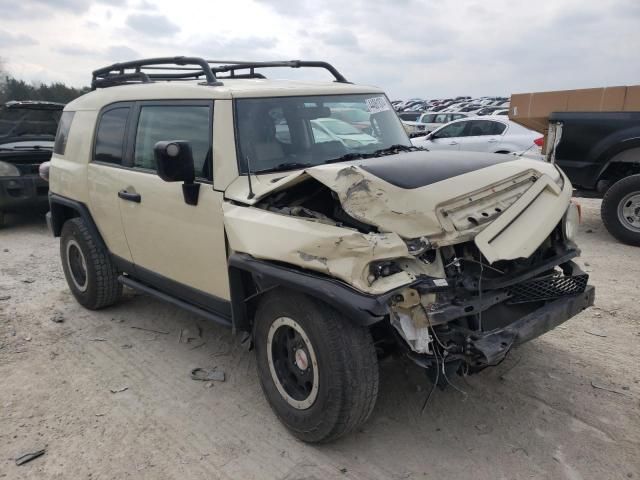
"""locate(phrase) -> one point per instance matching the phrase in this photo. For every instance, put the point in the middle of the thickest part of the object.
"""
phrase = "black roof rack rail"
(231, 67)
(193, 68)
(117, 73)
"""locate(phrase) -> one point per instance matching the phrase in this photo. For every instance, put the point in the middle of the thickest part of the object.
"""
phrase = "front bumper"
(494, 345)
(24, 192)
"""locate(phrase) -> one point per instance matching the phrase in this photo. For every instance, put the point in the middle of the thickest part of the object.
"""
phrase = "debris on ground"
(4, 297)
(162, 332)
(27, 457)
(597, 334)
(98, 339)
(483, 429)
(190, 334)
(608, 389)
(206, 375)
(118, 390)
(126, 345)
(57, 317)
(28, 280)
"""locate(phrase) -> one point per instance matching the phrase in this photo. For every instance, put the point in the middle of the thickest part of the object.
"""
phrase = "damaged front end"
(453, 266)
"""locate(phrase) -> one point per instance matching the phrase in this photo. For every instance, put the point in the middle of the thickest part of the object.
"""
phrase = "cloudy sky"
(410, 48)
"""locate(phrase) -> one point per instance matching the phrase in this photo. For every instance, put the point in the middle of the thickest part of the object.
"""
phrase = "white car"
(433, 120)
(482, 134)
(344, 132)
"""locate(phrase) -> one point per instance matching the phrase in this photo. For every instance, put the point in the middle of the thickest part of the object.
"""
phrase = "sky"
(410, 48)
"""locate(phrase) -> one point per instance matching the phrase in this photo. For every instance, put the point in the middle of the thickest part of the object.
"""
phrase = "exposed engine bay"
(463, 281)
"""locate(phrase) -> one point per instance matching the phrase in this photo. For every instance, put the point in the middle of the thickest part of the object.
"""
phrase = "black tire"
(346, 367)
(3, 219)
(622, 192)
(80, 253)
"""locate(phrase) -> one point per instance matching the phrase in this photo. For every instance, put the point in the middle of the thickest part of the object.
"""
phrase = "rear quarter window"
(110, 136)
(62, 134)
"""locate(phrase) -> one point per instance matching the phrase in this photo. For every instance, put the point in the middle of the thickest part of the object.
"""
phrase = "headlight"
(8, 170)
(570, 222)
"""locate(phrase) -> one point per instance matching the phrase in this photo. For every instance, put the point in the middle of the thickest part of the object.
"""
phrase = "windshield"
(19, 122)
(287, 133)
(338, 126)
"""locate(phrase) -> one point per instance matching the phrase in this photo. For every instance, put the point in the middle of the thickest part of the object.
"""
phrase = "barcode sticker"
(377, 104)
(440, 282)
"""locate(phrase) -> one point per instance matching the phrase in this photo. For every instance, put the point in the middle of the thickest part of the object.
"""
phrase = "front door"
(176, 247)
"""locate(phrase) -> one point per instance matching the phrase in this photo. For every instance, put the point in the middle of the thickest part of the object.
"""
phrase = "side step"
(174, 301)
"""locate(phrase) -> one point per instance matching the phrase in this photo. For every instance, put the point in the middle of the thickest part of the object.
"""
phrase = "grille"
(548, 288)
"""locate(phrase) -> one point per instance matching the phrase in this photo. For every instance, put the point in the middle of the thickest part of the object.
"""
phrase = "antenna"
(251, 194)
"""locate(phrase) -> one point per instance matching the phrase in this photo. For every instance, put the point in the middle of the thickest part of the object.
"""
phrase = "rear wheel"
(318, 371)
(91, 275)
(620, 210)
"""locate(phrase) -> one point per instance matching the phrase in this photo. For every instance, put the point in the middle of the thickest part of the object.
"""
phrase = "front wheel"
(318, 370)
(620, 210)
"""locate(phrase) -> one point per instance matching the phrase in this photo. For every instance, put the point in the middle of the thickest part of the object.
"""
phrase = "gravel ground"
(566, 405)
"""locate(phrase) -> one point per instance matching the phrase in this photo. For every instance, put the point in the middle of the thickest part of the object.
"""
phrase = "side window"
(110, 135)
(497, 128)
(174, 122)
(453, 130)
(442, 118)
(63, 132)
(478, 128)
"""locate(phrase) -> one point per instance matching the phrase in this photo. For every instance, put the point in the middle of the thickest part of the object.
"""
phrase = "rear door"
(103, 175)
(481, 136)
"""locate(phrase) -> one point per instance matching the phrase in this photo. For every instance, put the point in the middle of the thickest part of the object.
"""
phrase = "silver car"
(482, 134)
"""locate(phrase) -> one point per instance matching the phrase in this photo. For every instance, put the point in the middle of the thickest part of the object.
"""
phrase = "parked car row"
(479, 106)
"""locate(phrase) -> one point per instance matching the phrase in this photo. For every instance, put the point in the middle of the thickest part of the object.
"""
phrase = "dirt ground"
(566, 405)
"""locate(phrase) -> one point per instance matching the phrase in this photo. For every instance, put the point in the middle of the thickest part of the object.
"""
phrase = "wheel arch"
(63, 209)
(250, 278)
(620, 161)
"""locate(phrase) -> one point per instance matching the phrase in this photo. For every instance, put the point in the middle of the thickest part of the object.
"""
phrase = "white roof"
(231, 88)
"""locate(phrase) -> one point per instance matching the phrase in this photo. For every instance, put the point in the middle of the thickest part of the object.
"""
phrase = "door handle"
(492, 140)
(453, 143)
(130, 197)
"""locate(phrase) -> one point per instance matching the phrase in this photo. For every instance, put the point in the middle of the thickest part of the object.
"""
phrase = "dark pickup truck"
(27, 134)
(600, 153)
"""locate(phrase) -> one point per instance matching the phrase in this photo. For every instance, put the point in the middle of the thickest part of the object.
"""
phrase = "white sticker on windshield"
(377, 104)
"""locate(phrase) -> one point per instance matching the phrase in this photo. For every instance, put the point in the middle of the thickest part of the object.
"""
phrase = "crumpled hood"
(408, 193)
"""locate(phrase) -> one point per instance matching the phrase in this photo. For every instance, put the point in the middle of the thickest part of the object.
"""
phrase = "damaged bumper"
(494, 345)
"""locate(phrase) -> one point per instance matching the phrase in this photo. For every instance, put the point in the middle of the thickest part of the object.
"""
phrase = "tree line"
(14, 89)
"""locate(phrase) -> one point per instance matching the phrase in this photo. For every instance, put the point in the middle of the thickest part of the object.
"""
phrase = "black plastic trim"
(141, 287)
(358, 307)
(185, 293)
(58, 217)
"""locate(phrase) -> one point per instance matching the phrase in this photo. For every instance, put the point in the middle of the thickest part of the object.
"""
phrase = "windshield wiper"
(282, 167)
(394, 149)
(346, 157)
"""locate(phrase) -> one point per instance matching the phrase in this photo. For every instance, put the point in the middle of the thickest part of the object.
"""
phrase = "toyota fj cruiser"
(328, 252)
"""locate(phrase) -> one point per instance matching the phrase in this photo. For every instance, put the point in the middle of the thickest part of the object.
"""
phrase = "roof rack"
(176, 69)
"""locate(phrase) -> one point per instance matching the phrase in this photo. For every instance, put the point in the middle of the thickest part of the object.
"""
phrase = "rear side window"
(63, 132)
(111, 135)
(175, 122)
(497, 128)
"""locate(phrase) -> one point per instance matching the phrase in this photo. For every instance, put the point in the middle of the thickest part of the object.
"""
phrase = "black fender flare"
(59, 212)
(360, 308)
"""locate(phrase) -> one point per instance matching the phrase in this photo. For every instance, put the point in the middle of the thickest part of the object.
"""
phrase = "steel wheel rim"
(293, 363)
(629, 211)
(77, 266)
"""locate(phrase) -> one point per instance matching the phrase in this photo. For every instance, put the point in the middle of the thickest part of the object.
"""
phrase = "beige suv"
(206, 185)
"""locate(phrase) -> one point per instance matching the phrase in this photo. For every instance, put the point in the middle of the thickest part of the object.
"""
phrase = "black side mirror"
(175, 164)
